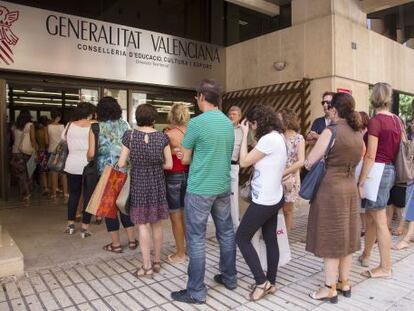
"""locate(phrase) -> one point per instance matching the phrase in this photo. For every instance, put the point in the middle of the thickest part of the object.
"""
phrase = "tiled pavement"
(107, 284)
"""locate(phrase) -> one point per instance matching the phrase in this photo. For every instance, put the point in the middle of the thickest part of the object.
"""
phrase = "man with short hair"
(321, 123)
(235, 115)
(207, 147)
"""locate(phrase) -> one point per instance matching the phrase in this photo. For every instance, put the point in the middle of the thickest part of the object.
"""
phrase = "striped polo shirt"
(210, 136)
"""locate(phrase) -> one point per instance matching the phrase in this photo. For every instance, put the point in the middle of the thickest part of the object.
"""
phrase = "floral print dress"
(291, 186)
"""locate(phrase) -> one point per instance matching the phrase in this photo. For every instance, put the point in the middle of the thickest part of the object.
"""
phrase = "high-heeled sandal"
(144, 273)
(264, 289)
(332, 296)
(340, 288)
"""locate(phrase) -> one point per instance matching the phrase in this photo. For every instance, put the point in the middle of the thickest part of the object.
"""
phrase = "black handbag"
(90, 172)
(314, 177)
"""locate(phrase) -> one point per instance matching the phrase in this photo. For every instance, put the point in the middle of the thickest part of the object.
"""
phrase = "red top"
(388, 130)
(178, 167)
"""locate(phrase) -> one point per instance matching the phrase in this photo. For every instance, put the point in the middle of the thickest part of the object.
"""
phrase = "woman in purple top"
(384, 135)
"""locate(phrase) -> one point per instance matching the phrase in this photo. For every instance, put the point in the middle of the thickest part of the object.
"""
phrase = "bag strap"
(67, 129)
(95, 131)
(332, 127)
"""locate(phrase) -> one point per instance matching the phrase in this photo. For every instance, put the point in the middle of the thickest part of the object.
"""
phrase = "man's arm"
(186, 156)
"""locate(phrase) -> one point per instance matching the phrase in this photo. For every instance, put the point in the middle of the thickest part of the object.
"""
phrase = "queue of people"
(190, 171)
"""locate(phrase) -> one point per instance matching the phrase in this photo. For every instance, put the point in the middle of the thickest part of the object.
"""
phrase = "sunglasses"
(325, 102)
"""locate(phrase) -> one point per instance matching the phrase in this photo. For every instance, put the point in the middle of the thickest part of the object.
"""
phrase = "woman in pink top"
(384, 135)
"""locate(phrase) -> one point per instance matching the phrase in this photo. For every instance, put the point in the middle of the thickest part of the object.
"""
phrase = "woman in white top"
(77, 137)
(269, 159)
(18, 167)
(55, 130)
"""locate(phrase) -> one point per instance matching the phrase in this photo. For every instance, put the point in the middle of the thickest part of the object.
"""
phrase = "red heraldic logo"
(7, 37)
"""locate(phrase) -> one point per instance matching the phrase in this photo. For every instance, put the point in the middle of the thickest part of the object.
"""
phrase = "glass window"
(89, 95)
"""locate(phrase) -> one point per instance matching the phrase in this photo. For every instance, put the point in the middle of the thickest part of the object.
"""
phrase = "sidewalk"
(102, 283)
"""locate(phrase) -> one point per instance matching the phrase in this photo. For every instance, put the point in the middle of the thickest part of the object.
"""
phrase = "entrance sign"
(42, 41)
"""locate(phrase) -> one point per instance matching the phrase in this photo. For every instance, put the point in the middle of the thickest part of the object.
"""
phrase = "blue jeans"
(197, 208)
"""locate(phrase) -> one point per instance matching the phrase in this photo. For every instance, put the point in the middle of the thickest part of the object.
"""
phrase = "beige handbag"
(25, 146)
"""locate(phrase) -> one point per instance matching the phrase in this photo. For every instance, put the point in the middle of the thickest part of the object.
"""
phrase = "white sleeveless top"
(78, 143)
(18, 136)
(54, 132)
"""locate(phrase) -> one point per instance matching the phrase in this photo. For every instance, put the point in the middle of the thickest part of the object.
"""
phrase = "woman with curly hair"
(109, 131)
(269, 159)
(296, 157)
(333, 224)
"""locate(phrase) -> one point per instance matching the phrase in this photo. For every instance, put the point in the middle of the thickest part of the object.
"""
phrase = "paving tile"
(129, 302)
(75, 294)
(85, 307)
(25, 287)
(33, 303)
(12, 290)
(4, 306)
(115, 303)
(48, 301)
(62, 298)
(99, 288)
(100, 305)
(87, 291)
(18, 304)
(143, 299)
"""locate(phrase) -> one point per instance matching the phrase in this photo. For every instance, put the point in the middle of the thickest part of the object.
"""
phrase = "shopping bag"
(123, 197)
(103, 200)
(31, 165)
(282, 239)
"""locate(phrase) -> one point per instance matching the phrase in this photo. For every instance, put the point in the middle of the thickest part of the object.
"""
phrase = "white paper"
(372, 183)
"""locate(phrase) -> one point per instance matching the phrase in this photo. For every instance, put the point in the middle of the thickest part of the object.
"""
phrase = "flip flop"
(176, 261)
(403, 244)
(372, 275)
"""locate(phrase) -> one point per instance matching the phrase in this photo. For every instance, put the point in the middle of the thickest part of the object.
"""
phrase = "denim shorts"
(176, 189)
(386, 184)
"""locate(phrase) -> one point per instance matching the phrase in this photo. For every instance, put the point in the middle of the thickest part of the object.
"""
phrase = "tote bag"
(282, 239)
(404, 160)
(103, 200)
(25, 146)
(315, 175)
(58, 158)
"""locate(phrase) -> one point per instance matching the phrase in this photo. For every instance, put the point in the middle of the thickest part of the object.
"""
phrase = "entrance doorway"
(42, 94)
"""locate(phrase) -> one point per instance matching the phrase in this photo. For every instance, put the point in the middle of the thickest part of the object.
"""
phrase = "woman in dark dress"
(333, 226)
(149, 154)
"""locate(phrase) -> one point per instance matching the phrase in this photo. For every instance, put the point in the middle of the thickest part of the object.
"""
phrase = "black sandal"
(133, 244)
(114, 249)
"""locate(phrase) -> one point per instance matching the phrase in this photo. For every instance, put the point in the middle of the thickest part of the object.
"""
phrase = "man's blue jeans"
(197, 209)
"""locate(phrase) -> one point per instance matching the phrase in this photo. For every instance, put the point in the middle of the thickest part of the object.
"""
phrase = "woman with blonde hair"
(384, 136)
(176, 179)
(296, 157)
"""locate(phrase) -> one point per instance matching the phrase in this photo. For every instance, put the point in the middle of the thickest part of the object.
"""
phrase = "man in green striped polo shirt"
(207, 147)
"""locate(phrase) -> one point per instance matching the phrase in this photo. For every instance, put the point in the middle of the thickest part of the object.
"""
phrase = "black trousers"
(75, 192)
(113, 224)
(256, 217)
